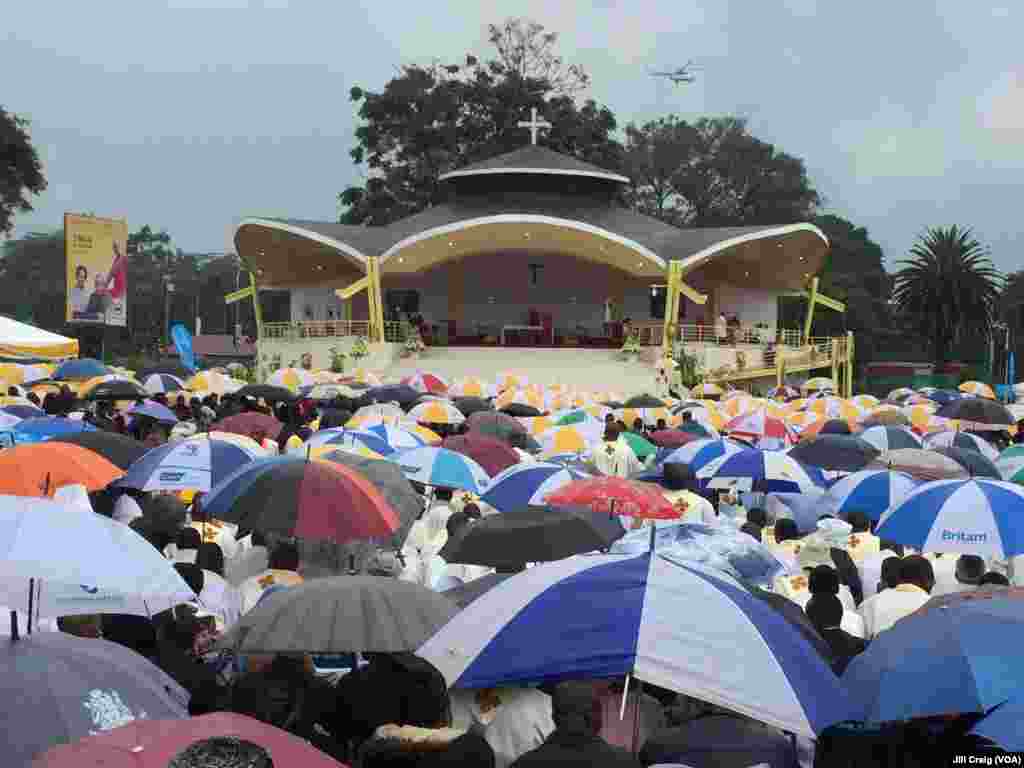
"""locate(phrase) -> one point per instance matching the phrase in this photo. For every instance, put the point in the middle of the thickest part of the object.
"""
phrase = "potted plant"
(360, 349)
(337, 360)
(631, 346)
(413, 344)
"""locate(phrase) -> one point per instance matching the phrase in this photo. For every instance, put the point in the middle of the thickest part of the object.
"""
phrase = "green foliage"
(631, 346)
(948, 289)
(360, 349)
(337, 360)
(21, 172)
(690, 369)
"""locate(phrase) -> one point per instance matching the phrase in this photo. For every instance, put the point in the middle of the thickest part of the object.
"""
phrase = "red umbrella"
(250, 424)
(672, 438)
(154, 743)
(614, 495)
(489, 452)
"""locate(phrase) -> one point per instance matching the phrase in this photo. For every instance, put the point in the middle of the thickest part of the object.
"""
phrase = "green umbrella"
(573, 417)
(639, 445)
(694, 428)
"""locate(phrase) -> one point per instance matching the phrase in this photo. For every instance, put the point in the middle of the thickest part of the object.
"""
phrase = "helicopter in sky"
(681, 75)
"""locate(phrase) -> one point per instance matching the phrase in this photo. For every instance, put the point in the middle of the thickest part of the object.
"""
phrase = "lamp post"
(168, 291)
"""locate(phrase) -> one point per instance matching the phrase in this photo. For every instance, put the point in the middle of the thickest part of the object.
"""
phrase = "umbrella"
(470, 387)
(155, 743)
(342, 615)
(38, 469)
(765, 471)
(162, 382)
(784, 392)
(119, 450)
(170, 367)
(707, 389)
(118, 389)
(615, 496)
(510, 380)
(819, 384)
(49, 426)
(760, 425)
(308, 499)
(470, 405)
(566, 440)
(427, 382)
(437, 412)
(196, 463)
(250, 424)
(835, 427)
(612, 615)
(920, 464)
(212, 381)
(344, 437)
(63, 562)
(490, 453)
(835, 452)
(1011, 464)
(531, 535)
(1002, 725)
(961, 656)
(154, 410)
(672, 438)
(378, 413)
(978, 389)
(887, 438)
(978, 413)
(865, 402)
(266, 392)
(331, 391)
(645, 401)
(464, 594)
(441, 467)
(402, 394)
(943, 396)
(525, 485)
(964, 440)
(61, 688)
(400, 438)
(979, 516)
(885, 416)
(695, 427)
(363, 376)
(499, 425)
(975, 464)
(641, 447)
(699, 453)
(870, 491)
(521, 410)
(23, 411)
(291, 379)
(80, 370)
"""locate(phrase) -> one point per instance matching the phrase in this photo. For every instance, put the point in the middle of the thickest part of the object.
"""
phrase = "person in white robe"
(126, 509)
(252, 559)
(513, 720)
(956, 573)
(613, 456)
(889, 606)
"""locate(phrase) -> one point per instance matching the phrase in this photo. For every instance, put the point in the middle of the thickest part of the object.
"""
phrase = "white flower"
(108, 711)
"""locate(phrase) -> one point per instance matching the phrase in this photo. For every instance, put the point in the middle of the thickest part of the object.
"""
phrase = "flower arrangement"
(414, 344)
(337, 360)
(275, 362)
(631, 346)
(360, 349)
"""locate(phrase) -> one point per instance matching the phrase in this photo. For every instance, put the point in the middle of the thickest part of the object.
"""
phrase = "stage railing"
(651, 334)
(327, 329)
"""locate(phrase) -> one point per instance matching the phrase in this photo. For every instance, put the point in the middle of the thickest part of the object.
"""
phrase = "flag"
(183, 343)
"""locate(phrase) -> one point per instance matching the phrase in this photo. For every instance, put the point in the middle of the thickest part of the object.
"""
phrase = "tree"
(437, 118)
(33, 283)
(714, 173)
(151, 260)
(21, 173)
(948, 288)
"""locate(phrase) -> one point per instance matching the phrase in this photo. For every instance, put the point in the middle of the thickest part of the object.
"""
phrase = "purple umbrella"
(153, 410)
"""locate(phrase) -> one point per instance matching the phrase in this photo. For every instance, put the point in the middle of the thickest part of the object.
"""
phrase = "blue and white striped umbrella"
(871, 491)
(978, 517)
(341, 436)
(197, 463)
(764, 471)
(957, 439)
(523, 485)
(443, 468)
(890, 437)
(163, 382)
(699, 453)
(676, 626)
(399, 439)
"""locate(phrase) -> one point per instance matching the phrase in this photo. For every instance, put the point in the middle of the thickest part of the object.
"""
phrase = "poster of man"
(97, 269)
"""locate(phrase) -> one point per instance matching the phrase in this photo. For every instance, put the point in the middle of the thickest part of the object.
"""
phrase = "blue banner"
(1011, 374)
(183, 343)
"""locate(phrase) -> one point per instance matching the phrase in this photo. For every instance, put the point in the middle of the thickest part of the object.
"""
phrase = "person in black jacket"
(826, 613)
(576, 711)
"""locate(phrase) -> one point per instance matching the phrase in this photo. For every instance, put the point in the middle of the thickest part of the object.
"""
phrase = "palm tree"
(948, 288)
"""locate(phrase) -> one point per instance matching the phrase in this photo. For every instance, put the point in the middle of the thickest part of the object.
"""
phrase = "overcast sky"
(190, 114)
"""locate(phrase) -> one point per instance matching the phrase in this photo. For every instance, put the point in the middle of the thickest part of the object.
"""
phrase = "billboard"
(97, 269)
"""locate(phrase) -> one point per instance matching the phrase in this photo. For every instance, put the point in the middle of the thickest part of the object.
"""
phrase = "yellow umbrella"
(865, 402)
(819, 384)
(437, 412)
(835, 408)
(920, 415)
(11, 373)
(803, 420)
(469, 386)
(510, 380)
(535, 425)
(520, 397)
(978, 388)
(291, 379)
(211, 382)
(563, 440)
(429, 435)
(736, 406)
(646, 415)
(355, 447)
(707, 389)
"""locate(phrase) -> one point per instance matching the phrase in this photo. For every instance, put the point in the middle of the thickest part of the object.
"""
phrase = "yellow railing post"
(849, 363)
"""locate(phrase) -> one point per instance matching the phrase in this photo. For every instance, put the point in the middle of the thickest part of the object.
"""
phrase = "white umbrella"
(71, 563)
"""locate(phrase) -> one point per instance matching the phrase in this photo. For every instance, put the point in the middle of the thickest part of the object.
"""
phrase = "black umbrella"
(267, 392)
(796, 616)
(694, 427)
(645, 401)
(162, 513)
(835, 427)
(171, 367)
(978, 414)
(119, 450)
(470, 405)
(532, 535)
(118, 389)
(402, 394)
(520, 410)
(613, 404)
(465, 594)
(973, 461)
(346, 614)
(837, 452)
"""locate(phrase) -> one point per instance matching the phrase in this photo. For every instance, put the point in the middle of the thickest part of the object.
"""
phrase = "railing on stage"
(651, 335)
(327, 329)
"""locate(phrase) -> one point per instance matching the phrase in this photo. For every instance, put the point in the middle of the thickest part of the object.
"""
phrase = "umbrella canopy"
(213, 382)
(470, 405)
(120, 450)
(784, 392)
(430, 383)
(45, 427)
(378, 413)
(978, 414)
(961, 656)
(292, 379)
(442, 467)
(640, 446)
(1010, 464)
(865, 402)
(154, 410)
(1002, 725)
(464, 594)
(836, 452)
(499, 425)
(707, 389)
(490, 453)
(196, 463)
(258, 426)
(400, 438)
(980, 517)
(117, 389)
(80, 563)
(68, 687)
(470, 387)
(567, 440)
(266, 392)
(170, 367)
(607, 616)
(835, 427)
(975, 464)
(870, 491)
(885, 415)
(645, 401)
(521, 410)
(437, 412)
(39, 469)
(920, 464)
(342, 615)
(526, 485)
(765, 471)
(760, 425)
(964, 440)
(331, 391)
(155, 743)
(888, 438)
(80, 370)
(162, 382)
(943, 396)
(615, 496)
(531, 535)
(342, 437)
(672, 438)
(819, 384)
(308, 499)
(978, 389)
(402, 394)
(696, 427)
(699, 453)
(27, 411)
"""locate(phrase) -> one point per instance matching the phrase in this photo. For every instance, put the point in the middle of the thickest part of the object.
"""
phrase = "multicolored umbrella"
(965, 440)
(510, 380)
(80, 370)
(162, 382)
(978, 414)
(331, 391)
(819, 384)
(39, 469)
(196, 463)
(865, 402)
(698, 454)
(1010, 464)
(258, 426)
(525, 485)
(489, 452)
(890, 438)
(978, 389)
(900, 393)
(151, 409)
(615, 496)
(308, 499)
(343, 437)
(835, 408)
(707, 389)
(378, 413)
(291, 379)
(648, 416)
(520, 397)
(213, 382)
(760, 425)
(427, 382)
(442, 468)
(869, 491)
(641, 447)
(765, 471)
(567, 440)
(437, 412)
(26, 411)
(785, 392)
(470, 386)
(42, 428)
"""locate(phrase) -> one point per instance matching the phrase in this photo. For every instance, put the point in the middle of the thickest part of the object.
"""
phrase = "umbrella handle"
(14, 626)
(31, 595)
(625, 695)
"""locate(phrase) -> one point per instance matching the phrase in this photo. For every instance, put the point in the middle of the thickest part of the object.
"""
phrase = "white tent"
(26, 342)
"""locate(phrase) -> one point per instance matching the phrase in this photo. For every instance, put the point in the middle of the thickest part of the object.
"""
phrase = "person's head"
(918, 571)
(661, 424)
(188, 538)
(285, 557)
(786, 530)
(456, 522)
(757, 516)
(891, 567)
(12, 391)
(676, 475)
(687, 417)
(576, 709)
(824, 610)
(443, 494)
(823, 580)
(33, 398)
(994, 579)
(81, 276)
(611, 433)
(192, 574)
(472, 511)
(210, 557)
(609, 419)
(224, 752)
(969, 569)
(99, 281)
(638, 425)
(861, 523)
(751, 529)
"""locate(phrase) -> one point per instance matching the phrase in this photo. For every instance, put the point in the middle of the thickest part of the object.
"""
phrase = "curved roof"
(535, 160)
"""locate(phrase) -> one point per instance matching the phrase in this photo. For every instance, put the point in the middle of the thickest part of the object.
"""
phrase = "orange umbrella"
(39, 469)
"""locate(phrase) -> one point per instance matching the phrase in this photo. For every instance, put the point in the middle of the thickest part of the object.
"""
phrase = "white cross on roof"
(534, 125)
